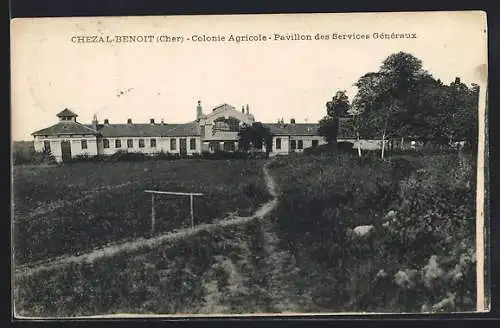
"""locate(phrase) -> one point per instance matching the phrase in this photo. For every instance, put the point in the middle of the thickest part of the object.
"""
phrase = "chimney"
(162, 122)
(248, 109)
(95, 122)
(457, 80)
(199, 110)
(292, 121)
(106, 121)
(152, 121)
(243, 109)
(129, 121)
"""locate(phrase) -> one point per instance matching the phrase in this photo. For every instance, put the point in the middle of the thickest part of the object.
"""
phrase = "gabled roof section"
(134, 130)
(296, 129)
(148, 130)
(185, 130)
(66, 113)
(223, 106)
(65, 128)
(346, 130)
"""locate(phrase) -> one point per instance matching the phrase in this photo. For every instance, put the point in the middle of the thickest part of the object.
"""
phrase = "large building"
(216, 130)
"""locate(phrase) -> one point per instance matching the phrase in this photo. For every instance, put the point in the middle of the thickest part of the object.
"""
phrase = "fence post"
(152, 213)
(192, 212)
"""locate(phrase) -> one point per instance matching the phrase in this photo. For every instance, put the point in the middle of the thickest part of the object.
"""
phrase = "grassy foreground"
(225, 271)
(72, 208)
(420, 256)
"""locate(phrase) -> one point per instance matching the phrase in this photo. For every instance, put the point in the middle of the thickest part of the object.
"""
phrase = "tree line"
(402, 100)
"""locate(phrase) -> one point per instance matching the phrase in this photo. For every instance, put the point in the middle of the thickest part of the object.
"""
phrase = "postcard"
(249, 165)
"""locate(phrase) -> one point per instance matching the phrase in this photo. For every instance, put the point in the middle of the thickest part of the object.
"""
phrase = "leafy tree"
(339, 106)
(328, 128)
(254, 137)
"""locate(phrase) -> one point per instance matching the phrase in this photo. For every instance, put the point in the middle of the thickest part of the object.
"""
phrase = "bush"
(433, 199)
(125, 156)
(322, 149)
(226, 155)
(166, 156)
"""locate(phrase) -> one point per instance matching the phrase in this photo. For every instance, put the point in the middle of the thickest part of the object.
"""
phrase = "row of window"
(46, 144)
(152, 143)
(295, 144)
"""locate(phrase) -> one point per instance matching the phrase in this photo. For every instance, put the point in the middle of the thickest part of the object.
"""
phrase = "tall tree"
(255, 137)
(338, 107)
(386, 97)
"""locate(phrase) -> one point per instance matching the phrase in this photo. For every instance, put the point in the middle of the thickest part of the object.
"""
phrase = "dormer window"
(67, 115)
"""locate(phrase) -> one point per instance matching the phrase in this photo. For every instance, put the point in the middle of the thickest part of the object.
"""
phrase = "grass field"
(300, 258)
(72, 208)
(423, 257)
(221, 272)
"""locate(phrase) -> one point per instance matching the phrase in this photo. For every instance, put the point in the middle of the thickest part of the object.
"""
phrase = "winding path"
(109, 251)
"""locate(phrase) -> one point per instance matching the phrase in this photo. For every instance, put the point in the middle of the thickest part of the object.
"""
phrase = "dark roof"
(310, 129)
(66, 112)
(298, 129)
(185, 130)
(148, 130)
(67, 127)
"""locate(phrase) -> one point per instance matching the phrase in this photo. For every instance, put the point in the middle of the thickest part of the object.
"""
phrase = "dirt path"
(109, 251)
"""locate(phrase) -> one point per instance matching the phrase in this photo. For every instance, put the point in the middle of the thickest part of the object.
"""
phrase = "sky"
(277, 78)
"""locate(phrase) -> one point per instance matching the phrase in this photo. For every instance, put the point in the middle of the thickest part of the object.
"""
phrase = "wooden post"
(152, 213)
(192, 213)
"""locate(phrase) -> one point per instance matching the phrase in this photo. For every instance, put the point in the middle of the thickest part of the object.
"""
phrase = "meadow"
(420, 255)
(227, 270)
(301, 258)
(72, 208)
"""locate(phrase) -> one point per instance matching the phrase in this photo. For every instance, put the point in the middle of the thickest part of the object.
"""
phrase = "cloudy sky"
(289, 79)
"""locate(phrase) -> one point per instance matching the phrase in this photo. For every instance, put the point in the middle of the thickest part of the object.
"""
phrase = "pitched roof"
(66, 112)
(66, 127)
(185, 130)
(148, 130)
(296, 129)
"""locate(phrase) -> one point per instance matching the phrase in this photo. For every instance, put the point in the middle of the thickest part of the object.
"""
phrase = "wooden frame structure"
(155, 192)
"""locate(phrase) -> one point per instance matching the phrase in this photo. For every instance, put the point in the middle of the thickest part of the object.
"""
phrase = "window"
(46, 145)
(152, 143)
(105, 143)
(118, 143)
(130, 143)
(173, 144)
(293, 144)
(315, 143)
(278, 143)
(301, 144)
(141, 143)
(192, 144)
(84, 144)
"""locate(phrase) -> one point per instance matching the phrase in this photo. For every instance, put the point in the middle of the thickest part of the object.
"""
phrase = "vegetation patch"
(86, 205)
(419, 255)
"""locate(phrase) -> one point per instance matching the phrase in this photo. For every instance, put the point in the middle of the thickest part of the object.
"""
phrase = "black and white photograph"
(249, 165)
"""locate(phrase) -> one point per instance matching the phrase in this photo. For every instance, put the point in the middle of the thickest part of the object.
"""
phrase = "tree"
(328, 128)
(254, 137)
(386, 97)
(337, 107)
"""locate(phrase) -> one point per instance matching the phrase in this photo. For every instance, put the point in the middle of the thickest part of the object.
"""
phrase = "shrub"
(225, 155)
(433, 214)
(166, 156)
(126, 156)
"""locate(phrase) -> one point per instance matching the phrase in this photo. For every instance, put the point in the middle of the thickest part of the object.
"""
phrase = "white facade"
(217, 130)
(80, 145)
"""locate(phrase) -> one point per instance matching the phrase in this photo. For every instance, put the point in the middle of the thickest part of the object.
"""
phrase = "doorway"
(183, 146)
(66, 150)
